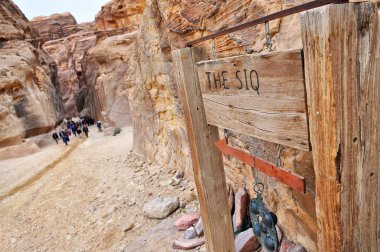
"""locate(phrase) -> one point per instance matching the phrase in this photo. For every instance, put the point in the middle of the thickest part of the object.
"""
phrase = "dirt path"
(86, 200)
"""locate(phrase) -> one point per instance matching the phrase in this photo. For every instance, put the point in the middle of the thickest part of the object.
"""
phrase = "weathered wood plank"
(343, 90)
(206, 159)
(258, 95)
(286, 177)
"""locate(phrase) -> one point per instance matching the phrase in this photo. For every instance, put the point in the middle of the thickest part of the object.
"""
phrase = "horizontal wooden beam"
(261, 95)
(286, 177)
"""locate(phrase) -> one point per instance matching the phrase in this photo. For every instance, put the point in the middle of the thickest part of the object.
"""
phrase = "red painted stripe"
(286, 177)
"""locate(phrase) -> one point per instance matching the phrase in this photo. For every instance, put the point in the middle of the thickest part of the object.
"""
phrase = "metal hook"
(258, 187)
(267, 36)
(278, 157)
(213, 49)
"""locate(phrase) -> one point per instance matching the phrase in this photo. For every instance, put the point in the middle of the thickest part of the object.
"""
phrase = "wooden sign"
(258, 95)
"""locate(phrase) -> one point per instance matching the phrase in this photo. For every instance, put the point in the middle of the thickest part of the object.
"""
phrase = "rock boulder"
(160, 208)
(29, 88)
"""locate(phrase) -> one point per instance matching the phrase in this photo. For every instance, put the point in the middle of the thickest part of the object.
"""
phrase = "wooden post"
(207, 160)
(343, 94)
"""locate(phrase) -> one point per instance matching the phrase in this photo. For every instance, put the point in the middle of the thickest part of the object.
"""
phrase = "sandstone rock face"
(66, 42)
(109, 68)
(119, 14)
(29, 99)
(108, 71)
(13, 23)
(55, 26)
(68, 52)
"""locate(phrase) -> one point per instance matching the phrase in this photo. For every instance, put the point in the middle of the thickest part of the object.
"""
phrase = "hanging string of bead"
(267, 37)
(213, 49)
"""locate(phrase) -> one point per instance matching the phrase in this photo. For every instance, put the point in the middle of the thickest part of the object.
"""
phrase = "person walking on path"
(64, 137)
(79, 132)
(85, 129)
(99, 125)
(55, 136)
(72, 127)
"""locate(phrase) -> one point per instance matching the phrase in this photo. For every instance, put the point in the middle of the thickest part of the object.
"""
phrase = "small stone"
(129, 227)
(165, 183)
(190, 233)
(241, 204)
(68, 237)
(186, 221)
(188, 244)
(182, 204)
(246, 241)
(160, 208)
(13, 240)
(199, 227)
(179, 174)
(288, 246)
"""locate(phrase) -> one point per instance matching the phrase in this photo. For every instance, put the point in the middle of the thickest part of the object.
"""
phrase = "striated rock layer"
(119, 14)
(29, 98)
(107, 71)
(66, 42)
(109, 68)
(55, 26)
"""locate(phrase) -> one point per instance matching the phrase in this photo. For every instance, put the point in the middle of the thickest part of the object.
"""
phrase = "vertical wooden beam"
(207, 160)
(343, 94)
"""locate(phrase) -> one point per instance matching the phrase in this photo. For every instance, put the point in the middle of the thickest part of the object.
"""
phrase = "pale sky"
(82, 10)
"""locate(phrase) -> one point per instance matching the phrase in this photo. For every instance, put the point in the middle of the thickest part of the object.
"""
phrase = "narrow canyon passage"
(89, 201)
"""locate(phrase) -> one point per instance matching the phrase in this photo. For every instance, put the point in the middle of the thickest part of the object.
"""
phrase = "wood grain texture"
(206, 159)
(258, 95)
(343, 90)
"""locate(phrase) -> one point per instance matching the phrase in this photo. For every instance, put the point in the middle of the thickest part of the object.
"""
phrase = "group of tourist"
(74, 127)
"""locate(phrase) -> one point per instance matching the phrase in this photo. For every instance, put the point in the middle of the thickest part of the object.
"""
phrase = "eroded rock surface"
(119, 14)
(55, 26)
(29, 99)
(108, 71)
(66, 42)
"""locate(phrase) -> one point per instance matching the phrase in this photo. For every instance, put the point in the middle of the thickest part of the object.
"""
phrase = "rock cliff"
(108, 71)
(66, 42)
(55, 26)
(109, 68)
(29, 99)
(119, 13)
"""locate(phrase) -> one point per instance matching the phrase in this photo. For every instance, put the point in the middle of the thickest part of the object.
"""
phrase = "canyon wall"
(107, 71)
(119, 14)
(66, 42)
(109, 68)
(55, 26)
(29, 88)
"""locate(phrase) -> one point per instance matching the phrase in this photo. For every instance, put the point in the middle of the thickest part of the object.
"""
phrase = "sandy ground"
(83, 197)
